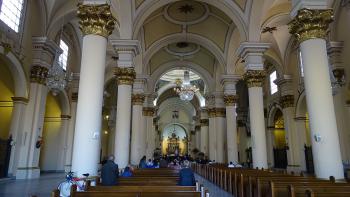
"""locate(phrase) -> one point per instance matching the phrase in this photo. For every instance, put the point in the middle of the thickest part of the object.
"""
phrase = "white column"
(86, 148)
(149, 112)
(16, 128)
(63, 137)
(204, 136)
(137, 128)
(231, 134)
(69, 146)
(125, 78)
(212, 134)
(300, 128)
(252, 54)
(198, 136)
(325, 141)
(269, 147)
(220, 123)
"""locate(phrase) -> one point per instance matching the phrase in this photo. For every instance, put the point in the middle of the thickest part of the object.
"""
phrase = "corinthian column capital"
(96, 19)
(230, 100)
(311, 24)
(254, 78)
(125, 76)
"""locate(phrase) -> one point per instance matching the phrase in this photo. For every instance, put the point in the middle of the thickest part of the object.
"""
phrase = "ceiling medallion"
(186, 8)
(182, 45)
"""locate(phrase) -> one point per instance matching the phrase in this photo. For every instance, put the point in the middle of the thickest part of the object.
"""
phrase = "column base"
(28, 173)
(67, 168)
(295, 168)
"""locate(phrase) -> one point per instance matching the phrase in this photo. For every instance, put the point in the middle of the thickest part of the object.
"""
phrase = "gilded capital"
(287, 101)
(230, 100)
(96, 19)
(220, 112)
(311, 24)
(211, 112)
(204, 122)
(38, 74)
(254, 78)
(138, 99)
(148, 111)
(125, 76)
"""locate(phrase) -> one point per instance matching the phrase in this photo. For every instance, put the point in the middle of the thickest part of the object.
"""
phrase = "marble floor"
(43, 186)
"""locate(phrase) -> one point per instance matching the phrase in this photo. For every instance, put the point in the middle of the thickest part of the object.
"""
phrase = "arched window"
(63, 59)
(11, 12)
(273, 86)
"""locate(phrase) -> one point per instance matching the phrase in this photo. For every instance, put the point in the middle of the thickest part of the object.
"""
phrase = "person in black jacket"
(110, 172)
(186, 175)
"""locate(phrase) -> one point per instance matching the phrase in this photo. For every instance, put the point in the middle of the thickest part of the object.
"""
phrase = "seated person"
(237, 165)
(149, 164)
(231, 165)
(110, 172)
(186, 175)
(127, 172)
(163, 163)
(142, 163)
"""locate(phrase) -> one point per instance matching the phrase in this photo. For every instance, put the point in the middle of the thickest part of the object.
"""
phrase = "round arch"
(200, 40)
(18, 74)
(204, 74)
(178, 124)
(229, 8)
(301, 106)
(272, 112)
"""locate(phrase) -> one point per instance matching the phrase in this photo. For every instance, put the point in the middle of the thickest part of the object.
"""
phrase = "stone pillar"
(212, 134)
(198, 136)
(287, 103)
(252, 54)
(310, 29)
(125, 77)
(230, 99)
(69, 146)
(148, 113)
(334, 50)
(96, 23)
(269, 146)
(16, 128)
(44, 51)
(63, 137)
(137, 143)
(231, 133)
(204, 132)
(220, 125)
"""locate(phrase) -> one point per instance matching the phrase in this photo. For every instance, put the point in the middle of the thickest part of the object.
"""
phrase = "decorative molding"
(125, 76)
(65, 117)
(129, 46)
(287, 101)
(148, 111)
(204, 122)
(138, 99)
(216, 112)
(74, 96)
(311, 24)
(96, 19)
(230, 100)
(38, 74)
(20, 100)
(254, 78)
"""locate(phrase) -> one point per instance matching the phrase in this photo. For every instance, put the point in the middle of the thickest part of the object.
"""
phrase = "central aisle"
(214, 190)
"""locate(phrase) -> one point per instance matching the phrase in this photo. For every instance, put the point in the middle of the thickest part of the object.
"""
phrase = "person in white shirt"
(231, 165)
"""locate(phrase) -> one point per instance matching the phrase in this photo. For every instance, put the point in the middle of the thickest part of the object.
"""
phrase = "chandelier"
(57, 78)
(184, 89)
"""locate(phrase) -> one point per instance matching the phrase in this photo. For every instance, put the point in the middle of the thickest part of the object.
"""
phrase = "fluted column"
(69, 146)
(310, 29)
(96, 24)
(16, 128)
(137, 128)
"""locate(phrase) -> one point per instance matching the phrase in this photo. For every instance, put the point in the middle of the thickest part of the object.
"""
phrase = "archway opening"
(280, 143)
(174, 140)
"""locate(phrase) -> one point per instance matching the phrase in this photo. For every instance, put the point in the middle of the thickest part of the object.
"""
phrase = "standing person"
(186, 175)
(109, 172)
(142, 163)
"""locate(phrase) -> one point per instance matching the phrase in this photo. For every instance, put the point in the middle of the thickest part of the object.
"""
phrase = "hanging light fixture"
(184, 89)
(57, 78)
